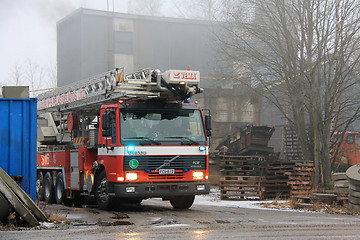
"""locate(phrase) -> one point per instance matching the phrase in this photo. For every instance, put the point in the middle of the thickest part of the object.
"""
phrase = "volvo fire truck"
(124, 138)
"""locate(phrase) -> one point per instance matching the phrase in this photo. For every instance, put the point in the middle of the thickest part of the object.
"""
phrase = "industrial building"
(91, 42)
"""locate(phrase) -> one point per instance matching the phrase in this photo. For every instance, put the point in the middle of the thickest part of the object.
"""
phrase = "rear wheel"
(40, 187)
(48, 188)
(104, 200)
(182, 202)
(59, 189)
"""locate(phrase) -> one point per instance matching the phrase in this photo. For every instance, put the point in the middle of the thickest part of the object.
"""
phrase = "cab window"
(350, 139)
(358, 141)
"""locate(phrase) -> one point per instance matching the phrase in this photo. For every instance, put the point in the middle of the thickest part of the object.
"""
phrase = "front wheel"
(104, 200)
(182, 202)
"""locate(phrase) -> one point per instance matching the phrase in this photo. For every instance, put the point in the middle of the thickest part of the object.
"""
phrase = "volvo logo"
(167, 163)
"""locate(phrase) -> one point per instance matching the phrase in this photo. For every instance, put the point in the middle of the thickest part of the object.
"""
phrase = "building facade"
(90, 42)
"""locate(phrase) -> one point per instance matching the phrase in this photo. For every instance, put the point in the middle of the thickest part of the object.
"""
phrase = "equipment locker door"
(74, 170)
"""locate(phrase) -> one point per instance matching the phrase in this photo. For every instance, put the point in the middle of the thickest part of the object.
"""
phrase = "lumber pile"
(241, 177)
(288, 179)
(276, 182)
(300, 179)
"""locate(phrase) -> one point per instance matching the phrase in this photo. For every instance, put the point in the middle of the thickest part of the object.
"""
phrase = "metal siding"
(69, 51)
(18, 140)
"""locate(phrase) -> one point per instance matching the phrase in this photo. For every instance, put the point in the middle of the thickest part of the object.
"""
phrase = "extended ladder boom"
(113, 86)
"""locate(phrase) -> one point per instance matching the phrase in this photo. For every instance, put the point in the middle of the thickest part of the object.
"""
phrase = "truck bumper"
(149, 190)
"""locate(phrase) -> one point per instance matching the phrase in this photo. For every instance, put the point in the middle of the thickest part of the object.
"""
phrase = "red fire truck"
(347, 153)
(124, 138)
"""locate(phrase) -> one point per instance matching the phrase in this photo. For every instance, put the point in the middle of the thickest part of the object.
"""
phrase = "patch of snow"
(213, 199)
(172, 225)
(47, 224)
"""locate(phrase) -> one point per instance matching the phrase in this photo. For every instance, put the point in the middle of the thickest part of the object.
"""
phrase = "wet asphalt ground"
(155, 219)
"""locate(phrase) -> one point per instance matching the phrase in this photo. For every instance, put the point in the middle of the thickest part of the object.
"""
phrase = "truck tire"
(104, 200)
(182, 202)
(40, 187)
(48, 188)
(59, 189)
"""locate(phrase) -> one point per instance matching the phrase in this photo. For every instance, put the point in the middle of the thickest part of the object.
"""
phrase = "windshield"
(162, 126)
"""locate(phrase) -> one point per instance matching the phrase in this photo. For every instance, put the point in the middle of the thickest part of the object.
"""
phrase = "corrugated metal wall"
(18, 141)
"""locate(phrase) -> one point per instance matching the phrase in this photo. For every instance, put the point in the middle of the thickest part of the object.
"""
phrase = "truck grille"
(151, 163)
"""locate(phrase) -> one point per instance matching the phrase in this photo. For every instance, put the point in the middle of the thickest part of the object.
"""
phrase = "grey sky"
(28, 30)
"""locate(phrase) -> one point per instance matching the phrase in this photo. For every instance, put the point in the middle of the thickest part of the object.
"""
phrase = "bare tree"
(52, 76)
(146, 7)
(34, 75)
(304, 58)
(200, 9)
(16, 75)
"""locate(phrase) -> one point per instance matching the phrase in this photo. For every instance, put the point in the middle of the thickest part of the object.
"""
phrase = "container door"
(74, 170)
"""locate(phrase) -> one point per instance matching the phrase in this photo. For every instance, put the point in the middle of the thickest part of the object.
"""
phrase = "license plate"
(166, 171)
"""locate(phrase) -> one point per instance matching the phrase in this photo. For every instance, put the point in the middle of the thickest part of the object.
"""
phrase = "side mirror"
(208, 124)
(106, 123)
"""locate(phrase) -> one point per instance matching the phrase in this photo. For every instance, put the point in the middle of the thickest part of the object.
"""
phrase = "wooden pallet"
(275, 183)
(241, 177)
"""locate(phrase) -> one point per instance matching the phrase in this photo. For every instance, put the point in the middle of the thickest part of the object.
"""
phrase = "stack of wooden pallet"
(300, 179)
(291, 146)
(241, 177)
(276, 181)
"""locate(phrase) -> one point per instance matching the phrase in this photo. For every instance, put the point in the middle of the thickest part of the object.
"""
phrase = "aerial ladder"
(67, 114)
(113, 86)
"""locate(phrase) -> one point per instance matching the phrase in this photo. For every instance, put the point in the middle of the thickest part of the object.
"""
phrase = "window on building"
(123, 25)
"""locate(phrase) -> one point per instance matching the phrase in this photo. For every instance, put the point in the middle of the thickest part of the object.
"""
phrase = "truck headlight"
(131, 176)
(198, 175)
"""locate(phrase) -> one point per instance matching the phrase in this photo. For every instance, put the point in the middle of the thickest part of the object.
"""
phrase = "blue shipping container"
(18, 140)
